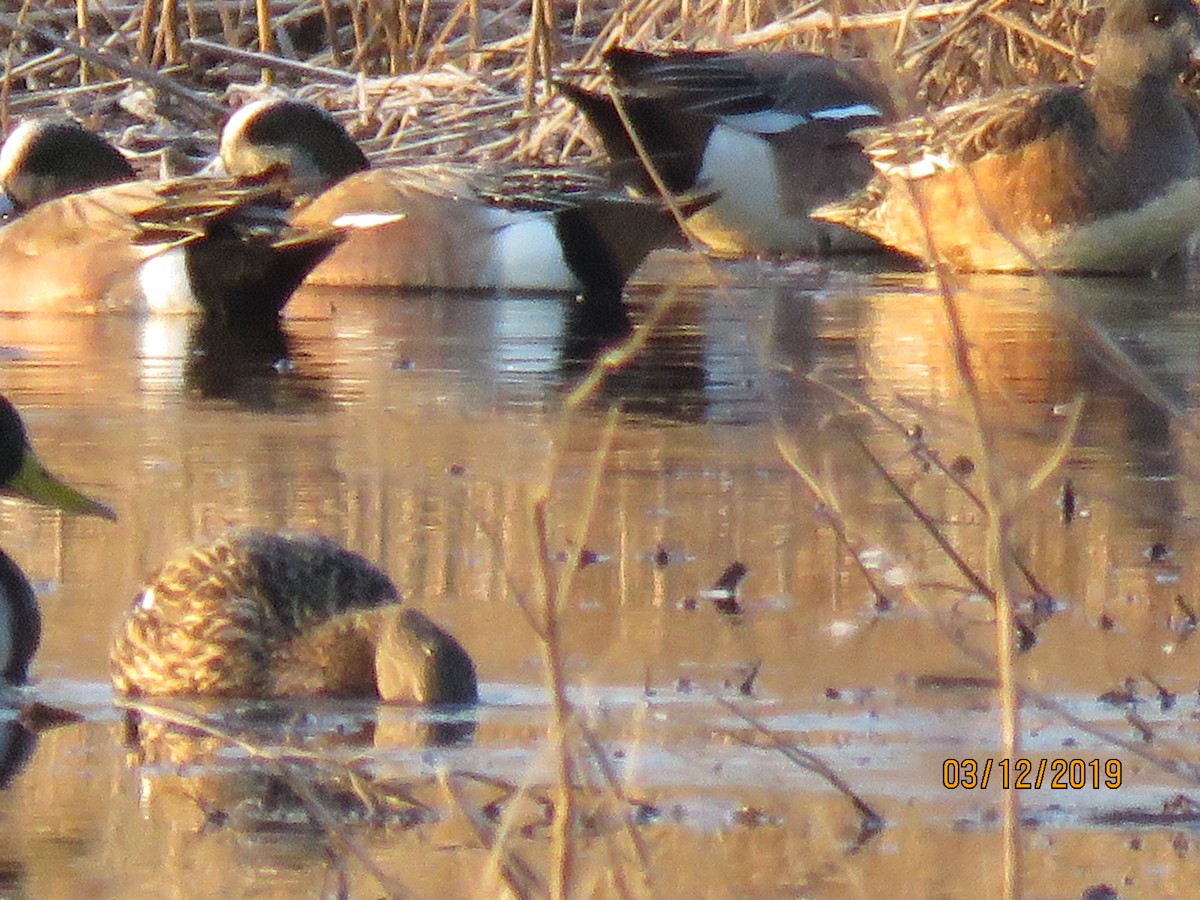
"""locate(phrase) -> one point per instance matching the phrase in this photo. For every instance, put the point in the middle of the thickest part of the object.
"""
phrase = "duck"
(23, 475)
(257, 614)
(86, 235)
(1102, 178)
(454, 230)
(767, 131)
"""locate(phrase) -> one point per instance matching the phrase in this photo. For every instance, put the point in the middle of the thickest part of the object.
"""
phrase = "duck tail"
(672, 138)
(243, 278)
(856, 211)
(606, 237)
(627, 66)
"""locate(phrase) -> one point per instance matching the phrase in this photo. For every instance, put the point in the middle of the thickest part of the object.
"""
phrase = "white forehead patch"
(237, 122)
(15, 146)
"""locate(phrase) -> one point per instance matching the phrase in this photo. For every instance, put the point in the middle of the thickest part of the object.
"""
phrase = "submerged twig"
(871, 820)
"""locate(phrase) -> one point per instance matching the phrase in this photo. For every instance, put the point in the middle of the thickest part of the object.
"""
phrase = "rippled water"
(417, 430)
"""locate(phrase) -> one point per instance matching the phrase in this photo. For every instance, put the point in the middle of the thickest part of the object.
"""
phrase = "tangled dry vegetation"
(468, 79)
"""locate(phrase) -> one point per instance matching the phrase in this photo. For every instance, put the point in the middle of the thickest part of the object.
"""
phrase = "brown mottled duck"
(256, 614)
(22, 475)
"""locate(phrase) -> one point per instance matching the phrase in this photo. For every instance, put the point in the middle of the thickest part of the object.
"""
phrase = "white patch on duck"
(231, 132)
(767, 121)
(361, 221)
(855, 111)
(928, 164)
(236, 123)
(16, 146)
(147, 599)
(781, 121)
(526, 254)
(741, 167)
(165, 286)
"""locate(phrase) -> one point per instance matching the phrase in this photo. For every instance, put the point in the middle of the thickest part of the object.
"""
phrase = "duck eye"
(1162, 18)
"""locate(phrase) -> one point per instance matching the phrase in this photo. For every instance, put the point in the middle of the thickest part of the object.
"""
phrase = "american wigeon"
(1103, 178)
(23, 475)
(257, 614)
(451, 234)
(42, 159)
(767, 131)
(195, 244)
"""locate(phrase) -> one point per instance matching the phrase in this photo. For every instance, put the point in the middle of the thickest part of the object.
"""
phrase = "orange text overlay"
(1031, 774)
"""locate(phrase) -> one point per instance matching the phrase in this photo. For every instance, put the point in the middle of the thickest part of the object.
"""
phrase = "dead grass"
(468, 79)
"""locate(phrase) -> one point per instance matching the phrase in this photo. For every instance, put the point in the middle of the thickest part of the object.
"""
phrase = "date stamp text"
(1031, 774)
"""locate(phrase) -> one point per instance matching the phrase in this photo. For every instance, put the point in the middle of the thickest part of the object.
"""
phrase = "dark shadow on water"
(590, 329)
(19, 736)
(1132, 322)
(704, 360)
(17, 743)
(252, 366)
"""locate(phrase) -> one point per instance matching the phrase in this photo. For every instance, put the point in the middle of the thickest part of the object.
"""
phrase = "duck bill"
(34, 483)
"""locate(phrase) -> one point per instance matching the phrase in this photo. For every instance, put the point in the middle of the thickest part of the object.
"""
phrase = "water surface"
(417, 430)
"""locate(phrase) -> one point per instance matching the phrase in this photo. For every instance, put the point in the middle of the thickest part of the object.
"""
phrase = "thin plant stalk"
(553, 591)
(84, 26)
(266, 41)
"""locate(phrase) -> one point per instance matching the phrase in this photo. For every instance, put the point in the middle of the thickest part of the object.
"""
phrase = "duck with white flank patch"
(455, 232)
(1097, 179)
(766, 131)
(256, 614)
(89, 237)
(22, 475)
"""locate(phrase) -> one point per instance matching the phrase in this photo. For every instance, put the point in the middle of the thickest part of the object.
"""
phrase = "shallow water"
(417, 429)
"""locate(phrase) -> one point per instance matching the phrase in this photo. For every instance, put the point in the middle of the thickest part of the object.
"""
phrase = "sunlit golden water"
(417, 429)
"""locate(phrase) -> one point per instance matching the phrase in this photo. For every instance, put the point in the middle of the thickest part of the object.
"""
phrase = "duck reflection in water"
(297, 772)
(1035, 346)
(701, 361)
(17, 743)
(254, 367)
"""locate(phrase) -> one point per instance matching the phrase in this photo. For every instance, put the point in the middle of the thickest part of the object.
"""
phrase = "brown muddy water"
(417, 429)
